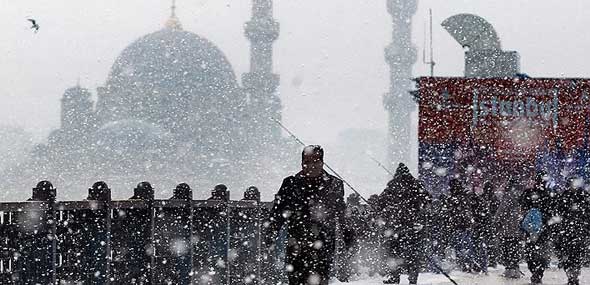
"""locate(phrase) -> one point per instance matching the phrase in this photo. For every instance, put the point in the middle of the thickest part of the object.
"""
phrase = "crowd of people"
(473, 230)
(405, 230)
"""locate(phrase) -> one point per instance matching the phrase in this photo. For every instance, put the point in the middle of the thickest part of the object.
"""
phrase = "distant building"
(171, 108)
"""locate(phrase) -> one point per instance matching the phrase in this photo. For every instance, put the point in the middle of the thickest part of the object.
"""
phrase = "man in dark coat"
(507, 228)
(574, 228)
(311, 205)
(437, 236)
(402, 206)
(537, 244)
(457, 211)
(485, 208)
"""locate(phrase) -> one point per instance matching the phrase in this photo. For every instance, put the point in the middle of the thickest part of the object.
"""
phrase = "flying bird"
(34, 25)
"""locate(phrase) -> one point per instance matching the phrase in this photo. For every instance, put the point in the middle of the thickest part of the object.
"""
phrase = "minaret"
(260, 82)
(401, 56)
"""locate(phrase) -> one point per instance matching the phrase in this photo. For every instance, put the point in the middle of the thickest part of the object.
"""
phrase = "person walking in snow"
(485, 207)
(457, 210)
(402, 206)
(310, 204)
(573, 222)
(507, 226)
(537, 205)
(439, 235)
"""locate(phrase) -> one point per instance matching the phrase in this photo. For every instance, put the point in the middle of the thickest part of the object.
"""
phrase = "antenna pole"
(424, 46)
(432, 63)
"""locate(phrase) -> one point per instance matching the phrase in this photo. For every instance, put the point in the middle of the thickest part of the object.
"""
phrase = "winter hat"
(402, 171)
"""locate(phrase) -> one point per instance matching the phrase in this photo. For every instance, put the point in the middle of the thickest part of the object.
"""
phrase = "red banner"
(513, 118)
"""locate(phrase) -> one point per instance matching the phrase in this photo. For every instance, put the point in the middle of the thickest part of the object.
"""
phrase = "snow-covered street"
(553, 276)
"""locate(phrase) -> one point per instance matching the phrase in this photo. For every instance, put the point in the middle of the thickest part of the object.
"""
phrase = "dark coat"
(356, 225)
(509, 214)
(540, 198)
(402, 203)
(572, 227)
(485, 208)
(535, 197)
(311, 209)
(457, 211)
(574, 212)
(402, 206)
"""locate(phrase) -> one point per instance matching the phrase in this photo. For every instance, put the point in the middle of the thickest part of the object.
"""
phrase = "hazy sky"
(329, 53)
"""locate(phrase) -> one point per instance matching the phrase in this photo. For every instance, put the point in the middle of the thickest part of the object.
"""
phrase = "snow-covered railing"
(140, 240)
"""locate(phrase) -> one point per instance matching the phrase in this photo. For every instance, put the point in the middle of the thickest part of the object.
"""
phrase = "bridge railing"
(136, 241)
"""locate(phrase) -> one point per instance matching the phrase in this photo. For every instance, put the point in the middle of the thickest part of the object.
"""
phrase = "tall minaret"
(401, 56)
(261, 83)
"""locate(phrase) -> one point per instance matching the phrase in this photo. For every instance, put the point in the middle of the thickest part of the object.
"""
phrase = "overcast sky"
(329, 53)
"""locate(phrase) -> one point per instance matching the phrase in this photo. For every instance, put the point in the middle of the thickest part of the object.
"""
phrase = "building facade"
(172, 109)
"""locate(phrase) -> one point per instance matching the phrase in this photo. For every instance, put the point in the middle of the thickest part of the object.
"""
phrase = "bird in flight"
(34, 26)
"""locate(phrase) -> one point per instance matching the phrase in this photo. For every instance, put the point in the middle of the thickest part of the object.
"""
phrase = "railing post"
(228, 253)
(269, 259)
(184, 222)
(253, 194)
(99, 234)
(37, 227)
(243, 242)
(173, 238)
(145, 192)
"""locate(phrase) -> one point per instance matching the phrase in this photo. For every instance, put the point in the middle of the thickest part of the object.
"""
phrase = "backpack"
(532, 222)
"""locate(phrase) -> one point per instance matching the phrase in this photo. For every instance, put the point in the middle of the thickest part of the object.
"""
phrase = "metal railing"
(136, 241)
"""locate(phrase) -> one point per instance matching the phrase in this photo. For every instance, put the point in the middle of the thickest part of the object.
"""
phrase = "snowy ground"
(553, 276)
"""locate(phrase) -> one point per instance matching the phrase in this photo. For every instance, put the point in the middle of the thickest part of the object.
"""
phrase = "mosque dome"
(171, 77)
(172, 56)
